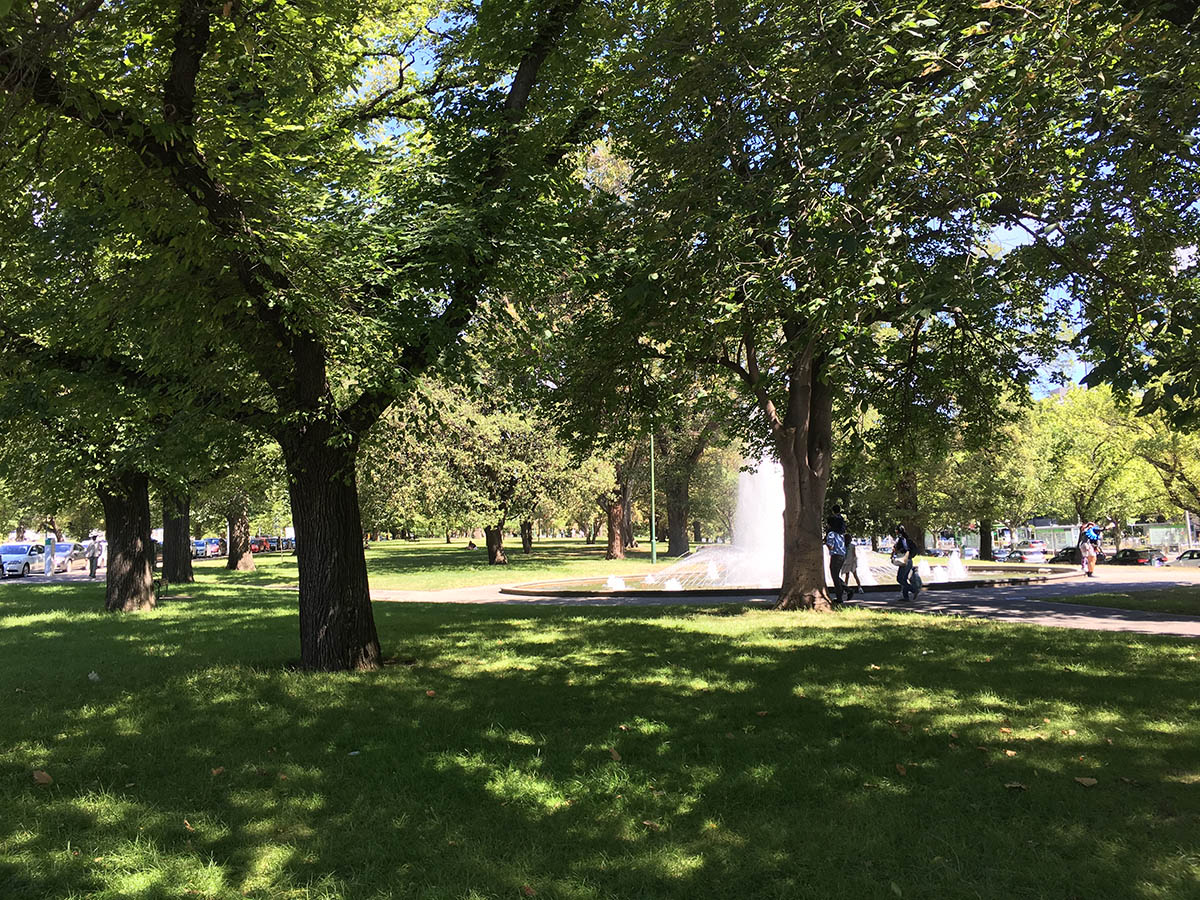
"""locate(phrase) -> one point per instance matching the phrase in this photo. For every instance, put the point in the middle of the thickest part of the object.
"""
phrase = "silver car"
(68, 556)
(21, 559)
(1186, 558)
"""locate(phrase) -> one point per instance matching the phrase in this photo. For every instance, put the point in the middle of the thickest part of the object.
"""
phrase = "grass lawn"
(432, 565)
(605, 753)
(1183, 601)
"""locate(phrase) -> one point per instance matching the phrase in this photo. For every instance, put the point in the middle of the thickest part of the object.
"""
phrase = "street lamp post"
(653, 535)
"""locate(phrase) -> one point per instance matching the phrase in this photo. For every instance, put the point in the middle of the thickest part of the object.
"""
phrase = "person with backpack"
(903, 551)
(1089, 548)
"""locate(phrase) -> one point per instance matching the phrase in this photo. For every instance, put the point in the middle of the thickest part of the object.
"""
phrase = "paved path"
(1031, 604)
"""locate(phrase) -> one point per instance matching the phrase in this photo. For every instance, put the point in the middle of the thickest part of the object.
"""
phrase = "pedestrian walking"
(92, 554)
(836, 542)
(850, 568)
(903, 550)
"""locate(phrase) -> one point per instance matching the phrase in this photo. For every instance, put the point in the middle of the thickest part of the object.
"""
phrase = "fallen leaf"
(42, 777)
(623, 727)
(188, 825)
(901, 769)
(1015, 786)
(761, 712)
(1109, 740)
(1006, 731)
(431, 693)
(1087, 782)
(873, 667)
(612, 751)
(954, 734)
(1069, 731)
(653, 826)
(981, 747)
(527, 890)
(282, 777)
(219, 770)
(1047, 721)
(1010, 752)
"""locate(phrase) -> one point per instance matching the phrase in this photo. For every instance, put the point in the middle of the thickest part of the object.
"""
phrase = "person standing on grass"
(835, 540)
(92, 554)
(1089, 548)
(902, 557)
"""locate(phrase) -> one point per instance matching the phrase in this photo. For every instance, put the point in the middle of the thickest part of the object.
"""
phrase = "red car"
(259, 545)
(1145, 556)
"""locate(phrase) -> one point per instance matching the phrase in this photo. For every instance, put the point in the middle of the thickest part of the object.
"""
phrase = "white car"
(1186, 558)
(970, 553)
(21, 559)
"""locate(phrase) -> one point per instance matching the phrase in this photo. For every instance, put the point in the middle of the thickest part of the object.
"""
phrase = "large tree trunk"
(614, 509)
(696, 531)
(678, 507)
(129, 582)
(526, 536)
(240, 558)
(337, 626)
(447, 537)
(803, 440)
(986, 550)
(495, 545)
(908, 508)
(177, 539)
(627, 535)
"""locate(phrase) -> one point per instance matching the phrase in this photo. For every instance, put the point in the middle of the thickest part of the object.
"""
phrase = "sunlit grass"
(431, 565)
(600, 754)
(1182, 601)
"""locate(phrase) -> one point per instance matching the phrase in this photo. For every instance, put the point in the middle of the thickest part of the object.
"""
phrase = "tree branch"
(191, 42)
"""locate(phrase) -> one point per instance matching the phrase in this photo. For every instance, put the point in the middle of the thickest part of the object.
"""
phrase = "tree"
(800, 201)
(346, 205)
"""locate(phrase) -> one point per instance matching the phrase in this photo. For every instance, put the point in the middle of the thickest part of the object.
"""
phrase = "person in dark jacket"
(903, 551)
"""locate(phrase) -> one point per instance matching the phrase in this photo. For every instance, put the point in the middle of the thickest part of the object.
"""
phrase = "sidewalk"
(1031, 604)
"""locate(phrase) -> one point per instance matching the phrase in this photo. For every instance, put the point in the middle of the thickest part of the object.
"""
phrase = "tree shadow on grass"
(765, 755)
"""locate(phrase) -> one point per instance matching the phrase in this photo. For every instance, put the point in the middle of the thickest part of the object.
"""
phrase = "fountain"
(753, 563)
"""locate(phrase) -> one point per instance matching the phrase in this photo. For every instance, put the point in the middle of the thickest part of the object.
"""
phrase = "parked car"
(21, 559)
(68, 556)
(1070, 556)
(1141, 556)
(1025, 556)
(1186, 558)
(213, 546)
(1031, 551)
(199, 549)
(259, 545)
(1000, 554)
(970, 553)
